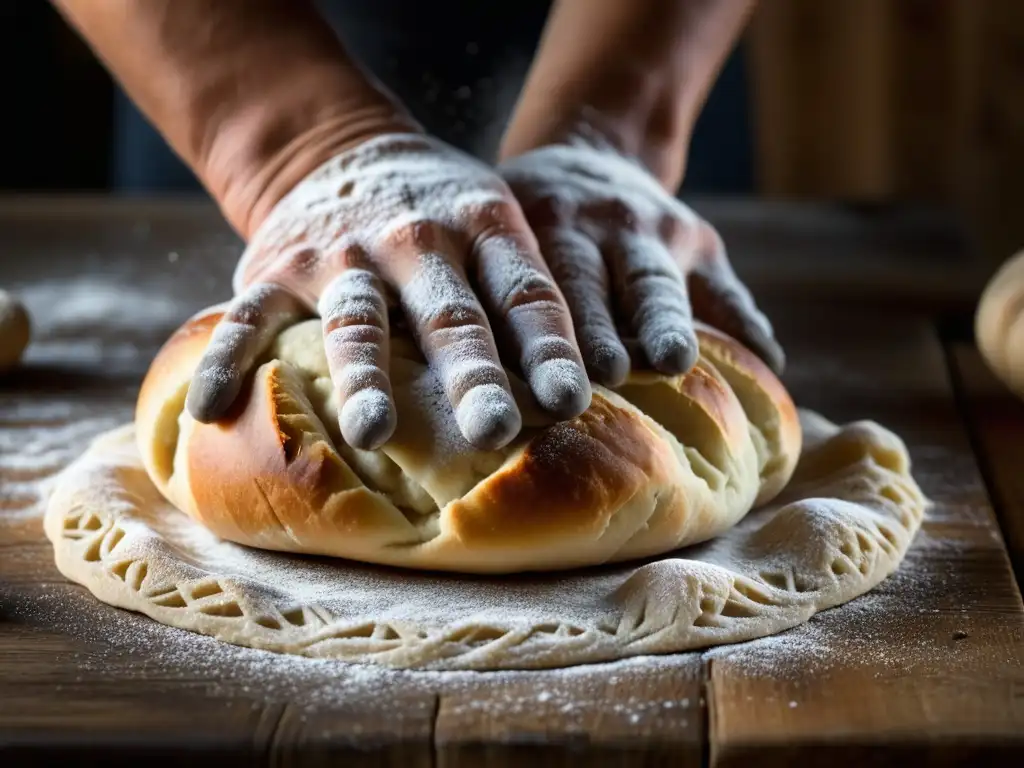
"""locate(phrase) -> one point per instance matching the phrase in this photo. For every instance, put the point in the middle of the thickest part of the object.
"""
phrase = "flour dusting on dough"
(841, 527)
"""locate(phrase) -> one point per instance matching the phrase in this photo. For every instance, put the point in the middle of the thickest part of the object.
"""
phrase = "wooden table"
(872, 307)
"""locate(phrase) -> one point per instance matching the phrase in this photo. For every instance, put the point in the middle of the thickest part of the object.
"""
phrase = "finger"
(355, 325)
(251, 323)
(652, 293)
(721, 300)
(516, 286)
(456, 339)
(580, 272)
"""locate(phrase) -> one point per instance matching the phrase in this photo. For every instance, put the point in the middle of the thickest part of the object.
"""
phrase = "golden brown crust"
(166, 383)
(663, 463)
(568, 481)
(766, 402)
(999, 323)
(260, 482)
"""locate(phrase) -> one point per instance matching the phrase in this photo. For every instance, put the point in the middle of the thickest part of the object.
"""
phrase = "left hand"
(631, 259)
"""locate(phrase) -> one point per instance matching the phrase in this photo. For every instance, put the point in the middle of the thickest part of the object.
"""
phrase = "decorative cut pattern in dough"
(843, 524)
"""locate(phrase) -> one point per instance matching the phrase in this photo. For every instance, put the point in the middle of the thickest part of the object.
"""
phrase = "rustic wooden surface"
(996, 418)
(929, 667)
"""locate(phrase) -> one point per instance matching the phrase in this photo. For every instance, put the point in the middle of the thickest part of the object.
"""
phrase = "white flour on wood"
(840, 528)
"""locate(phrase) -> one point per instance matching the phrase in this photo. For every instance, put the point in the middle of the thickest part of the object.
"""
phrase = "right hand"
(402, 215)
(631, 259)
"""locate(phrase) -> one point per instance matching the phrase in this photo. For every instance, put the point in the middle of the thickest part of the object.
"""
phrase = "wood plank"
(636, 712)
(996, 420)
(98, 685)
(930, 666)
(914, 256)
(59, 645)
(831, 63)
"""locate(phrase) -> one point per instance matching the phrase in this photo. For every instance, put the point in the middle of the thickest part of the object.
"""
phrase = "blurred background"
(866, 102)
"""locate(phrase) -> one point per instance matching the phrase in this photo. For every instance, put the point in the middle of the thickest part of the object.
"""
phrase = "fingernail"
(561, 387)
(367, 419)
(673, 353)
(211, 393)
(488, 417)
(608, 365)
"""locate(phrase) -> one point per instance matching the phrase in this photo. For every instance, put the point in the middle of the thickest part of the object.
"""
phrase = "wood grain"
(640, 714)
(821, 98)
(996, 417)
(913, 256)
(928, 666)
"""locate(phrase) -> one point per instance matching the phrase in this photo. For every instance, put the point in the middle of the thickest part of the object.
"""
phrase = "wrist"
(656, 137)
(637, 71)
(258, 154)
(642, 115)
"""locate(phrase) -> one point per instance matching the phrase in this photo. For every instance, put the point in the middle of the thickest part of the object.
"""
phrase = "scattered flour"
(882, 632)
(709, 595)
(81, 305)
(40, 437)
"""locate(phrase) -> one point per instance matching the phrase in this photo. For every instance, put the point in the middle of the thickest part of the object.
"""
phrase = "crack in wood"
(435, 749)
(707, 693)
(275, 715)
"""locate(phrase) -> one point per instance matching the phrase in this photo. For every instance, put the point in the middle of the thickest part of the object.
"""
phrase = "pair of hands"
(567, 251)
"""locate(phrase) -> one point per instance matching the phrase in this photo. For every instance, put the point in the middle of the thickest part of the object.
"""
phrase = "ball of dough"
(999, 323)
(661, 463)
(15, 330)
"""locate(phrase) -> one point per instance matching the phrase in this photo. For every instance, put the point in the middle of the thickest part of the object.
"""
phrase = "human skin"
(264, 104)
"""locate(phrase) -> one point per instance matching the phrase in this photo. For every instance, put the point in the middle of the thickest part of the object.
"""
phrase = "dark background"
(73, 128)
(884, 102)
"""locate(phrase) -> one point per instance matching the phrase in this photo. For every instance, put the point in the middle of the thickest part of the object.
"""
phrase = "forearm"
(637, 73)
(252, 94)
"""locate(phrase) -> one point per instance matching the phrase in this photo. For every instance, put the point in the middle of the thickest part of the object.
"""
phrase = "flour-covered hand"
(403, 216)
(632, 261)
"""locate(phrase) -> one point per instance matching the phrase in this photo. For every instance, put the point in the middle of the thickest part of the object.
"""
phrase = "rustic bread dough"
(661, 463)
(14, 331)
(842, 525)
(999, 323)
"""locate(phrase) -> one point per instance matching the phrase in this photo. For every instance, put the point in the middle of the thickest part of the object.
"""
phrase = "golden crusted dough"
(14, 330)
(661, 463)
(842, 524)
(999, 323)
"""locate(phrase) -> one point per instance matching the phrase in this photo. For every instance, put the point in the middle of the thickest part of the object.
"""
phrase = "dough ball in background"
(15, 330)
(999, 323)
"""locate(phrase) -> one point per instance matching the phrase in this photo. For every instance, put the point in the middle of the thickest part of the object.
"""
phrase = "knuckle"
(304, 260)
(359, 282)
(547, 210)
(245, 313)
(614, 212)
(357, 375)
(354, 260)
(570, 255)
(352, 304)
(711, 246)
(418, 235)
(360, 315)
(655, 269)
(575, 275)
(452, 316)
(494, 214)
(527, 289)
(671, 229)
